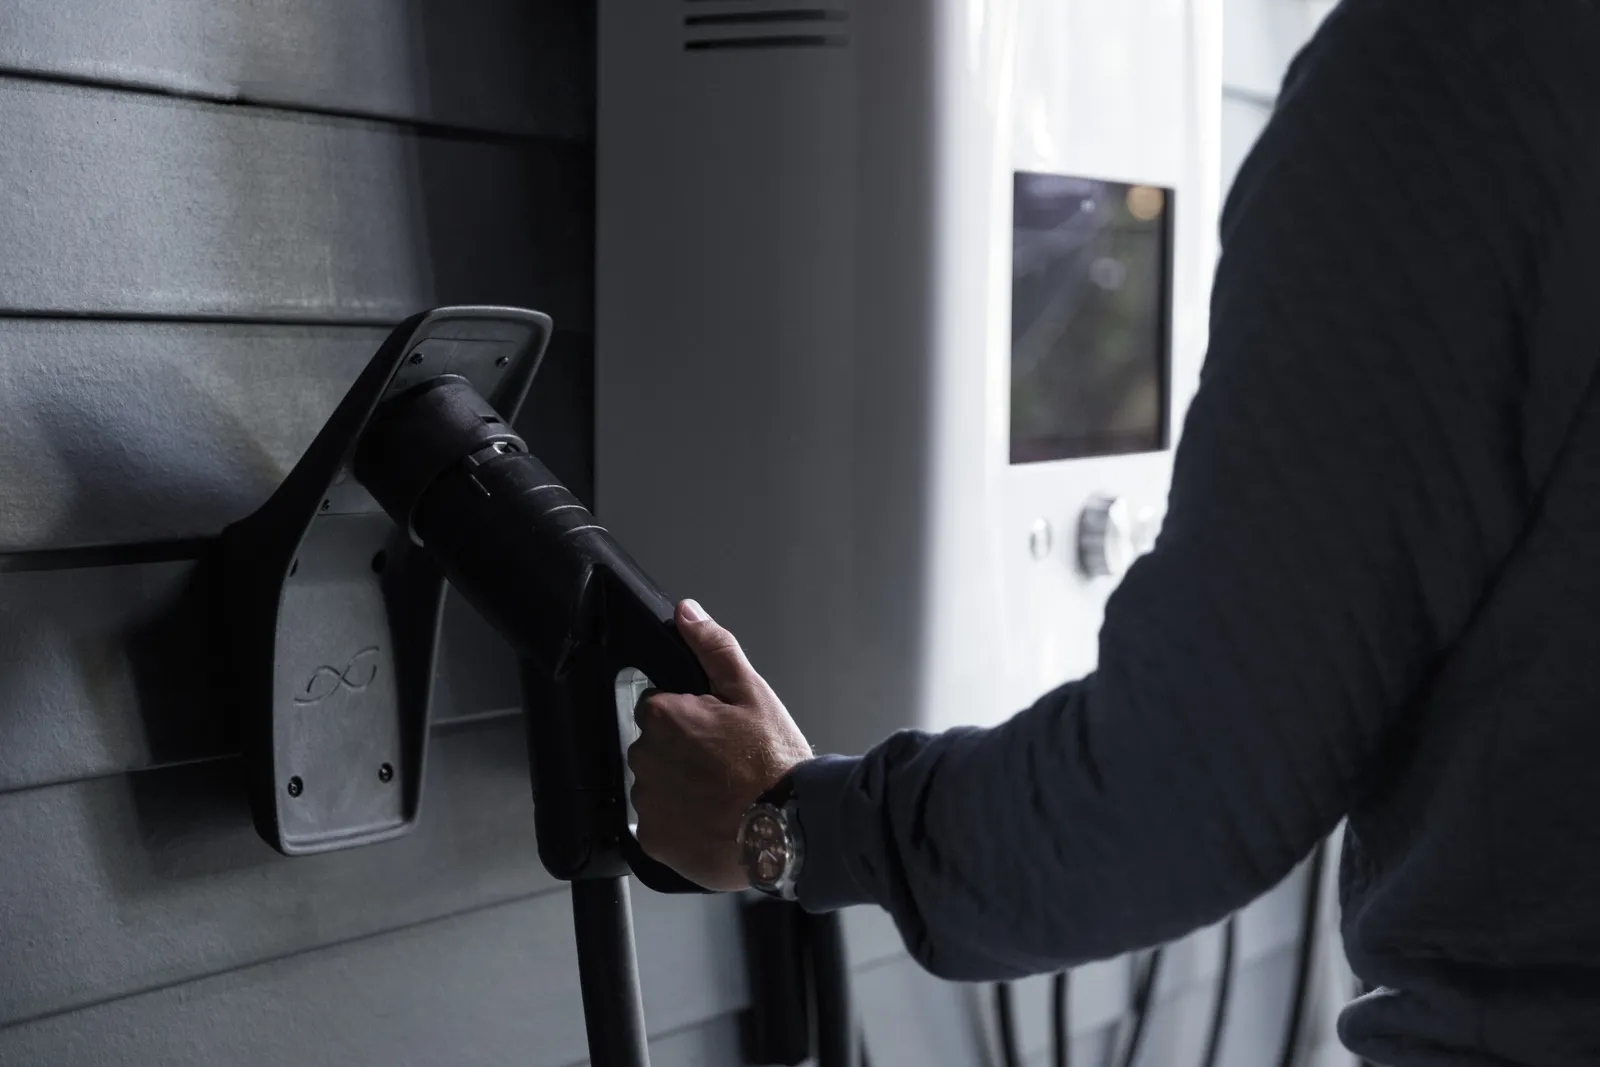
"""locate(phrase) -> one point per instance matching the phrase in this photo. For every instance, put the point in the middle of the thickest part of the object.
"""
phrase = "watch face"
(764, 847)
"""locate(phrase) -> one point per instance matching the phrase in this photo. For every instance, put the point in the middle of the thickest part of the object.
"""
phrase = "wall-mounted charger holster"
(333, 614)
(332, 597)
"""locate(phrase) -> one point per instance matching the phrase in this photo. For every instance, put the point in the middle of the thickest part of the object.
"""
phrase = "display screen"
(1090, 292)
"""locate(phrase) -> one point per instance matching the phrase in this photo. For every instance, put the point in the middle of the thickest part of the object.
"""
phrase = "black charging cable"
(1143, 1004)
(1060, 1019)
(1005, 1011)
(1224, 994)
(1305, 958)
(1144, 994)
(840, 1042)
(1060, 1022)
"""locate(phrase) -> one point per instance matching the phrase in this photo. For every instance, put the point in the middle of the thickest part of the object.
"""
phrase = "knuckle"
(725, 643)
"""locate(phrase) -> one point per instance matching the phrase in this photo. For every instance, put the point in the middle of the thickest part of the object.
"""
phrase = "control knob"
(1112, 534)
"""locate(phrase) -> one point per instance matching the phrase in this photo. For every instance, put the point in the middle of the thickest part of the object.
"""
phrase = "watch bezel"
(794, 851)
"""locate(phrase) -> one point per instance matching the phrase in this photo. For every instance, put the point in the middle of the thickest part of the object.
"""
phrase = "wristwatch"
(771, 847)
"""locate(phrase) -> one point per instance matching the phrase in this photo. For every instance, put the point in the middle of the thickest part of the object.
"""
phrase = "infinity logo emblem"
(360, 672)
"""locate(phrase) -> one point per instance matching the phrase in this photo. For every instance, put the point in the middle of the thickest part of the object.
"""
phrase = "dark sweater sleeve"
(1347, 484)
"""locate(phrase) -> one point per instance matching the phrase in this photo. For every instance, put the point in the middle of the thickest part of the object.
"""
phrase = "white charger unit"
(899, 309)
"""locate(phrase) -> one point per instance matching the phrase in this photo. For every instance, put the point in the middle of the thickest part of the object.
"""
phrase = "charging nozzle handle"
(532, 560)
(640, 632)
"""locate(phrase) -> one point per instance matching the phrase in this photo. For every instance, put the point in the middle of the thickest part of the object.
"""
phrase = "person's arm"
(1348, 482)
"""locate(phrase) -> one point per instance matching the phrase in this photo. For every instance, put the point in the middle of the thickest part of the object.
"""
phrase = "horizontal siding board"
(107, 670)
(1096, 1048)
(127, 432)
(118, 432)
(158, 879)
(503, 65)
(491, 988)
(70, 681)
(127, 882)
(715, 1043)
(119, 204)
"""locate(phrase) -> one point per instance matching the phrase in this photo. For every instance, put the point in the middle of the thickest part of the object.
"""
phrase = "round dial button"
(1112, 533)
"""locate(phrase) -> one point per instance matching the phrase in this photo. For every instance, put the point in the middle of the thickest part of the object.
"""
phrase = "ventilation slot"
(766, 27)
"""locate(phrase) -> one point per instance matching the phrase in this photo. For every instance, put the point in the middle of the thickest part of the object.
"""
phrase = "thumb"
(718, 651)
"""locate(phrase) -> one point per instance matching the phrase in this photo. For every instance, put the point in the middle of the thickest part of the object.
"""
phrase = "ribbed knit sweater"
(1376, 595)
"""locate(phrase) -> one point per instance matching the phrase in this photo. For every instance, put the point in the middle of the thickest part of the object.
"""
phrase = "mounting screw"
(326, 504)
(416, 357)
(296, 786)
(502, 361)
(385, 773)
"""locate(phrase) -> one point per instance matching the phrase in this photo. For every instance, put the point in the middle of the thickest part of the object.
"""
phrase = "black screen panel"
(1090, 300)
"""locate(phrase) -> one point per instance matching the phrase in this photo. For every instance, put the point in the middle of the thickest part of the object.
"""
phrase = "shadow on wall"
(164, 448)
(173, 653)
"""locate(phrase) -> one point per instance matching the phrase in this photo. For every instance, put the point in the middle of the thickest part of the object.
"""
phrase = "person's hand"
(700, 761)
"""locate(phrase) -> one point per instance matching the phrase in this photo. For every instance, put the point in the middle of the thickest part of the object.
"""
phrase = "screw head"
(296, 786)
(326, 504)
(503, 361)
(385, 773)
(416, 357)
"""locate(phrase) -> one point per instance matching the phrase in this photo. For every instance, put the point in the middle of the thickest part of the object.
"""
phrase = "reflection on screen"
(1089, 300)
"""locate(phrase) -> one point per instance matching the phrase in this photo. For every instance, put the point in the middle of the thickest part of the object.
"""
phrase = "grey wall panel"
(496, 987)
(870, 936)
(71, 689)
(121, 431)
(212, 211)
(114, 432)
(1096, 1048)
(914, 1020)
(714, 1042)
(109, 669)
(503, 65)
(121, 883)
(124, 204)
